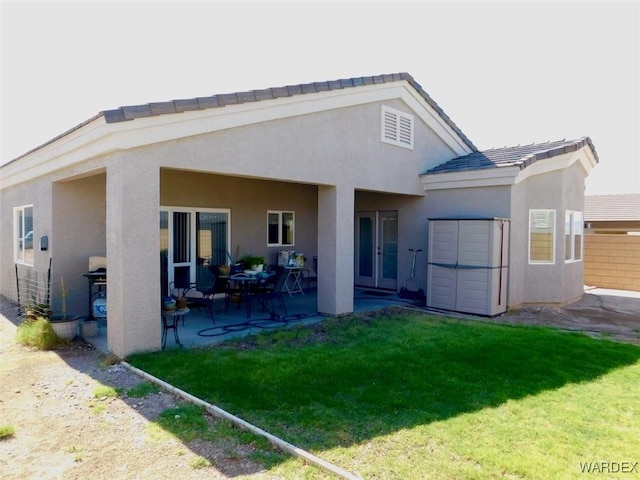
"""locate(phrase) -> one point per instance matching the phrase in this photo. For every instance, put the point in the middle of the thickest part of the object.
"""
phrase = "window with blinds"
(397, 127)
(542, 232)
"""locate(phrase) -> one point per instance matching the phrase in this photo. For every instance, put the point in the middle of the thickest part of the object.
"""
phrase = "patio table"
(170, 319)
(246, 287)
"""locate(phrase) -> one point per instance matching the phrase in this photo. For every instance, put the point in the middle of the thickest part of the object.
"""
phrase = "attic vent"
(397, 127)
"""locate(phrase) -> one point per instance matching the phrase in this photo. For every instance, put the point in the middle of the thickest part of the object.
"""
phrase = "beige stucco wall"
(71, 214)
(37, 194)
(561, 282)
(340, 146)
(78, 232)
(248, 201)
(612, 261)
(412, 228)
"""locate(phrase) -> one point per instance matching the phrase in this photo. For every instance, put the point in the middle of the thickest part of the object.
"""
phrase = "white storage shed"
(468, 265)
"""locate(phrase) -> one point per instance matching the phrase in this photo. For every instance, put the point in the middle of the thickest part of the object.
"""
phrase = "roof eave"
(132, 112)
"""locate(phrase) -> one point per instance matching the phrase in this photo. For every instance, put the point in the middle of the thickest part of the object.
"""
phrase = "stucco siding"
(412, 228)
(484, 202)
(340, 146)
(38, 194)
(560, 190)
(248, 201)
(78, 232)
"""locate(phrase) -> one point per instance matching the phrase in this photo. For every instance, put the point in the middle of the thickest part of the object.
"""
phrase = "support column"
(133, 246)
(335, 249)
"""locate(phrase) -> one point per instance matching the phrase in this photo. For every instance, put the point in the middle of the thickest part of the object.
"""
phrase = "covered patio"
(199, 330)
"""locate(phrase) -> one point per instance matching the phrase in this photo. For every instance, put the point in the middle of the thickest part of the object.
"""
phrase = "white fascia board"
(492, 177)
(87, 141)
(584, 156)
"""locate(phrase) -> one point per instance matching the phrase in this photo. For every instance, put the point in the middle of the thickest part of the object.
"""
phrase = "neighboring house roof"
(624, 207)
(520, 155)
(123, 114)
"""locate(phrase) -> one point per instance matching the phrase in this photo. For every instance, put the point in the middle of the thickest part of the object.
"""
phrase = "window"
(280, 228)
(23, 234)
(397, 127)
(573, 224)
(542, 236)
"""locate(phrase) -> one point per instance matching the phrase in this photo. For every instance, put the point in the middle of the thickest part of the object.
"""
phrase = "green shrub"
(37, 332)
(7, 431)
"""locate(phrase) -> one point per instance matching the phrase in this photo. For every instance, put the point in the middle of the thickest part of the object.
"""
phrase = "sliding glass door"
(191, 239)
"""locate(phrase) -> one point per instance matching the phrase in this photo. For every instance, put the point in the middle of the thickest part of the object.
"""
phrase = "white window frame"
(280, 239)
(19, 233)
(574, 226)
(397, 127)
(532, 213)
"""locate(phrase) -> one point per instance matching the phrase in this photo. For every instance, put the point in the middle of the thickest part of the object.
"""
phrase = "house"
(349, 171)
(612, 214)
(612, 241)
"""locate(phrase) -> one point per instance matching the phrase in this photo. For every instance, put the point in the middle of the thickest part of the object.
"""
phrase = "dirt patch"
(598, 313)
(64, 432)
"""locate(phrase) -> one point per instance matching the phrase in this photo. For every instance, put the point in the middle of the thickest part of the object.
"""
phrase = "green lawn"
(406, 395)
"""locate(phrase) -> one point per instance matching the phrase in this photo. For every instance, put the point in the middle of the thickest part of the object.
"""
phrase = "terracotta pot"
(181, 303)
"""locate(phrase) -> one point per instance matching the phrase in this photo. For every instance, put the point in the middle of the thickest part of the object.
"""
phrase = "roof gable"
(132, 112)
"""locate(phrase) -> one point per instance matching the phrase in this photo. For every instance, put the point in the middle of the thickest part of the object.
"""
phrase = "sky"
(507, 73)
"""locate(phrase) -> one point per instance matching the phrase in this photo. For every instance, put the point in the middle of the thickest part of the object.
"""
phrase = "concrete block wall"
(612, 261)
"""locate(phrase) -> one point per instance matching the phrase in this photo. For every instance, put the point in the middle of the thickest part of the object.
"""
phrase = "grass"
(104, 391)
(413, 396)
(142, 390)
(37, 332)
(7, 431)
(76, 451)
(189, 423)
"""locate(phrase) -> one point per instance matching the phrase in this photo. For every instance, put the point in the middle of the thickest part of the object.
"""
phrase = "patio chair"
(308, 278)
(272, 290)
(207, 285)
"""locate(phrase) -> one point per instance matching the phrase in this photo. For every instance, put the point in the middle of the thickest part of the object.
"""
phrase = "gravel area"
(62, 431)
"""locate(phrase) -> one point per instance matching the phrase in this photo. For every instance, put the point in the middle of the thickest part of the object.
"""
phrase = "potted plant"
(254, 262)
(65, 326)
(181, 302)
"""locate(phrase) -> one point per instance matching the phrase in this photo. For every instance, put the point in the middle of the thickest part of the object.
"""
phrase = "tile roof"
(131, 112)
(615, 207)
(520, 155)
